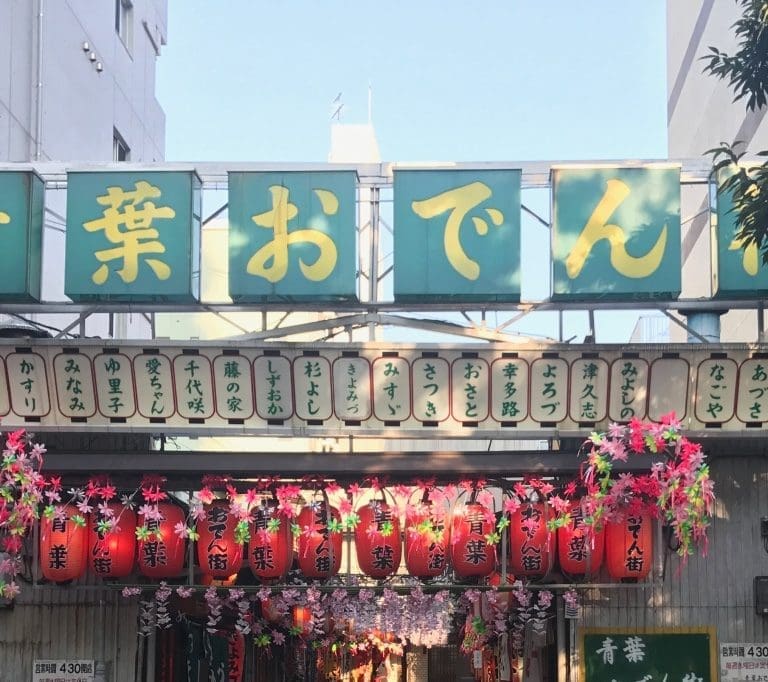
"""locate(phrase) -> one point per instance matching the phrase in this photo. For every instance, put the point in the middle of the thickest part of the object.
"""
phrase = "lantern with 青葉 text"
(219, 553)
(63, 546)
(377, 539)
(162, 552)
(270, 548)
(629, 547)
(426, 539)
(319, 548)
(531, 543)
(470, 552)
(112, 541)
(580, 548)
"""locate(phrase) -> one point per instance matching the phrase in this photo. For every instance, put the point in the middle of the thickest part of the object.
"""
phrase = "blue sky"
(514, 80)
(458, 81)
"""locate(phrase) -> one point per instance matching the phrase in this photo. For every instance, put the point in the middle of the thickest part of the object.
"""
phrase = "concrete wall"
(80, 104)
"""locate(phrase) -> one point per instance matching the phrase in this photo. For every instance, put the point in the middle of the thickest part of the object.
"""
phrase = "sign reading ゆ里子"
(457, 235)
(657, 655)
(616, 233)
(292, 236)
(133, 236)
(21, 233)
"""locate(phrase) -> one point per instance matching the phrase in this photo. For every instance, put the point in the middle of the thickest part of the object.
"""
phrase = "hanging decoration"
(318, 528)
(377, 538)
(112, 540)
(629, 543)
(531, 542)
(270, 547)
(472, 548)
(579, 552)
(426, 535)
(161, 550)
(219, 552)
(63, 545)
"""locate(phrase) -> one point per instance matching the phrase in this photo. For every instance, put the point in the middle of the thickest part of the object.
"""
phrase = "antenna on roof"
(336, 106)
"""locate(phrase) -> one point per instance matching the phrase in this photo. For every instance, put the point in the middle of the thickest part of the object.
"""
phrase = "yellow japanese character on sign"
(4, 218)
(271, 260)
(749, 260)
(598, 228)
(459, 202)
(127, 221)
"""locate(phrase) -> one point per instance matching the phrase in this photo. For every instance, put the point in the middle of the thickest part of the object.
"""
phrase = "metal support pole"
(562, 661)
(373, 278)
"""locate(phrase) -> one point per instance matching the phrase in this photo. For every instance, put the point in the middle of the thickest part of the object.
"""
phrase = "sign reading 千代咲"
(656, 655)
(616, 233)
(292, 236)
(133, 236)
(457, 235)
(21, 233)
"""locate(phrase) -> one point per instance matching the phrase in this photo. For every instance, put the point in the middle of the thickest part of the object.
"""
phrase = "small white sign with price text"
(743, 662)
(61, 670)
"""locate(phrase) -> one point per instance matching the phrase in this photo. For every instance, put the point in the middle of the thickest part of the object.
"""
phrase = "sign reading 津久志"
(133, 236)
(493, 391)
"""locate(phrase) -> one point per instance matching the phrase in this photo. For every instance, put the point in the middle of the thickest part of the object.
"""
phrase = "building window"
(124, 21)
(120, 150)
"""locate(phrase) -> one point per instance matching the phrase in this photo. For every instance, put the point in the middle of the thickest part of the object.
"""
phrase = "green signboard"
(292, 236)
(133, 236)
(457, 235)
(616, 233)
(736, 272)
(21, 234)
(658, 655)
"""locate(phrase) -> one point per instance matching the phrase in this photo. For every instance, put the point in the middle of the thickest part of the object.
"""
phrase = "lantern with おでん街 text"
(426, 540)
(219, 553)
(270, 548)
(162, 552)
(580, 548)
(629, 547)
(531, 543)
(377, 539)
(470, 552)
(319, 548)
(63, 546)
(112, 550)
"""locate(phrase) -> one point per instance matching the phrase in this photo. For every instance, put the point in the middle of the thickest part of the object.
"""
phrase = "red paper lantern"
(302, 619)
(377, 539)
(471, 555)
(531, 543)
(220, 555)
(270, 549)
(629, 547)
(268, 610)
(63, 548)
(426, 540)
(112, 553)
(162, 554)
(319, 550)
(580, 549)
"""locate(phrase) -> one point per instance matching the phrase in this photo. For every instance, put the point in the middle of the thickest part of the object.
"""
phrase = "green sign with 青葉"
(21, 235)
(457, 235)
(292, 236)
(655, 655)
(133, 236)
(737, 272)
(616, 233)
